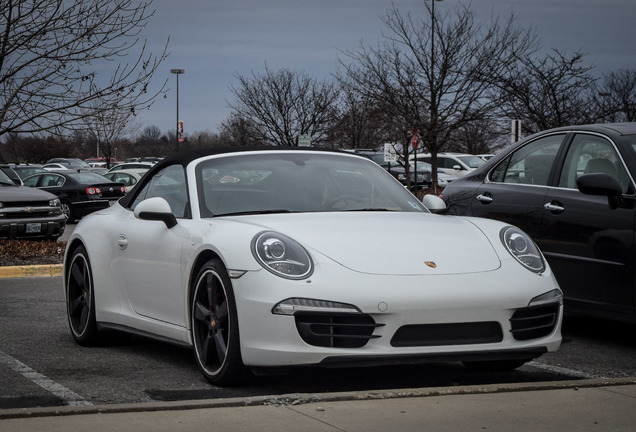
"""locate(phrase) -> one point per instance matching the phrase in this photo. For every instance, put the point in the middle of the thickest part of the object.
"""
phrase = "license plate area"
(33, 228)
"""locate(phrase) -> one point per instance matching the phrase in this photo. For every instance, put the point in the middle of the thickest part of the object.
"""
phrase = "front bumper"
(23, 228)
(463, 317)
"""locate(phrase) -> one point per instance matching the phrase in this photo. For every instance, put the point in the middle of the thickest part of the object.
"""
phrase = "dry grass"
(30, 252)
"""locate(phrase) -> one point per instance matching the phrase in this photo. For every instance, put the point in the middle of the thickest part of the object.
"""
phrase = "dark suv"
(27, 212)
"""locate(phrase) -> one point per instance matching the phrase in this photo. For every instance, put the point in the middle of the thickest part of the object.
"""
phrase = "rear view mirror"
(156, 209)
(603, 185)
(434, 203)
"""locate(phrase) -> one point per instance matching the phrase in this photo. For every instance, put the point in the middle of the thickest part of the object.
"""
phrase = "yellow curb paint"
(48, 270)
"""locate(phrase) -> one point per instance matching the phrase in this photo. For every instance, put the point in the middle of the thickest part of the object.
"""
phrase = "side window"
(31, 181)
(593, 154)
(169, 184)
(530, 164)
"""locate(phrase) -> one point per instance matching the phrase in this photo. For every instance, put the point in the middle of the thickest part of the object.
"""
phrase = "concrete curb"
(301, 398)
(47, 270)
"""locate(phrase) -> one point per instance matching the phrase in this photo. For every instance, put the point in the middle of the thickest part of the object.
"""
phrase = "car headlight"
(522, 248)
(281, 255)
(55, 203)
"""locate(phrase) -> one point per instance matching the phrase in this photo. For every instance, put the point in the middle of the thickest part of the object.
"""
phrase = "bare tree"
(57, 57)
(108, 127)
(427, 74)
(616, 96)
(284, 105)
(360, 124)
(546, 92)
(239, 131)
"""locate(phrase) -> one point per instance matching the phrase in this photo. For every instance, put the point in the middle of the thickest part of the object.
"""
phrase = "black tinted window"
(530, 164)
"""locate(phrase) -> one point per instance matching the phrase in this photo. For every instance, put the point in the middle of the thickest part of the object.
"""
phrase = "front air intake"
(335, 330)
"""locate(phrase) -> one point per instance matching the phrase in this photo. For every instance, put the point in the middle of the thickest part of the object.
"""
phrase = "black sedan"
(572, 189)
(81, 193)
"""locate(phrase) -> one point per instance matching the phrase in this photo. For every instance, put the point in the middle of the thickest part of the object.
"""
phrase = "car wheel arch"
(200, 260)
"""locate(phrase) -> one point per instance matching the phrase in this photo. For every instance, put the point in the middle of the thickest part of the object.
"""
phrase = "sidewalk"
(608, 405)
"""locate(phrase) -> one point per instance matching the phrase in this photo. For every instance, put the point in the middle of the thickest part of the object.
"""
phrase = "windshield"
(472, 161)
(284, 181)
(5, 180)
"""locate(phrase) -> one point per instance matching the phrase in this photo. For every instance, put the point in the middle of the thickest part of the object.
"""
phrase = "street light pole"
(433, 92)
(177, 72)
(433, 105)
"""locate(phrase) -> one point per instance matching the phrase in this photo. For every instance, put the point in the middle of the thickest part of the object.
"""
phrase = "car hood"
(390, 243)
(23, 193)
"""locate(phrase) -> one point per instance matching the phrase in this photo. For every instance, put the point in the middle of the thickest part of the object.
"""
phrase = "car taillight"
(93, 191)
(123, 189)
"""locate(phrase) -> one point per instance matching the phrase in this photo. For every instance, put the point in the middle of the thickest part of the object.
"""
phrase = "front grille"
(447, 334)
(25, 210)
(534, 322)
(335, 330)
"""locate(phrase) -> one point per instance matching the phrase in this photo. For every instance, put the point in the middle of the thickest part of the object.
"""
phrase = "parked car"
(572, 190)
(132, 165)
(486, 156)
(423, 174)
(127, 177)
(54, 166)
(398, 171)
(263, 258)
(70, 163)
(455, 164)
(27, 212)
(15, 178)
(80, 193)
(25, 170)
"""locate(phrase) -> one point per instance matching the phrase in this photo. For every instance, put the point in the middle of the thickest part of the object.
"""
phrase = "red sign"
(415, 139)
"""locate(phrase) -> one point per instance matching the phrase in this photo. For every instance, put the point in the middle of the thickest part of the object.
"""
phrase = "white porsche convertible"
(265, 258)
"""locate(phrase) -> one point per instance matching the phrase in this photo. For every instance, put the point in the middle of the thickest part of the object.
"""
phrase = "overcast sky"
(213, 40)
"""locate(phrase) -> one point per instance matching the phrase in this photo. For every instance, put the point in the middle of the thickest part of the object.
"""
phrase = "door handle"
(554, 207)
(122, 241)
(485, 198)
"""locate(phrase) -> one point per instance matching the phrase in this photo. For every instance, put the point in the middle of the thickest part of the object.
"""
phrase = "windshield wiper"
(371, 210)
(254, 212)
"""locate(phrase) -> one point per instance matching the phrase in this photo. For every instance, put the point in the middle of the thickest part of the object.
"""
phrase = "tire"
(68, 212)
(214, 326)
(495, 365)
(80, 299)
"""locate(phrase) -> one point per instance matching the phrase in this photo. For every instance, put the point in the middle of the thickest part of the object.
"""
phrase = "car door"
(149, 255)
(589, 245)
(515, 190)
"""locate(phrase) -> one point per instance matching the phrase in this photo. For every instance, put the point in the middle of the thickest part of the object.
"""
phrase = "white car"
(131, 165)
(454, 164)
(270, 258)
(127, 177)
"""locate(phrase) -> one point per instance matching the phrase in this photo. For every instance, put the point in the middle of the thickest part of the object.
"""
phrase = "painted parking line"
(563, 371)
(68, 396)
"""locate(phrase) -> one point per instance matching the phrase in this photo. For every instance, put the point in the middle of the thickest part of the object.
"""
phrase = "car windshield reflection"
(269, 183)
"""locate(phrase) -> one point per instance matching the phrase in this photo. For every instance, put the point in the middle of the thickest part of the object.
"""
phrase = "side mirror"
(156, 209)
(603, 185)
(457, 167)
(434, 203)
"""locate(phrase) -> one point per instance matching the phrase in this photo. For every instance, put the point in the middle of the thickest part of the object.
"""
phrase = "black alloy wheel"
(214, 324)
(80, 301)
